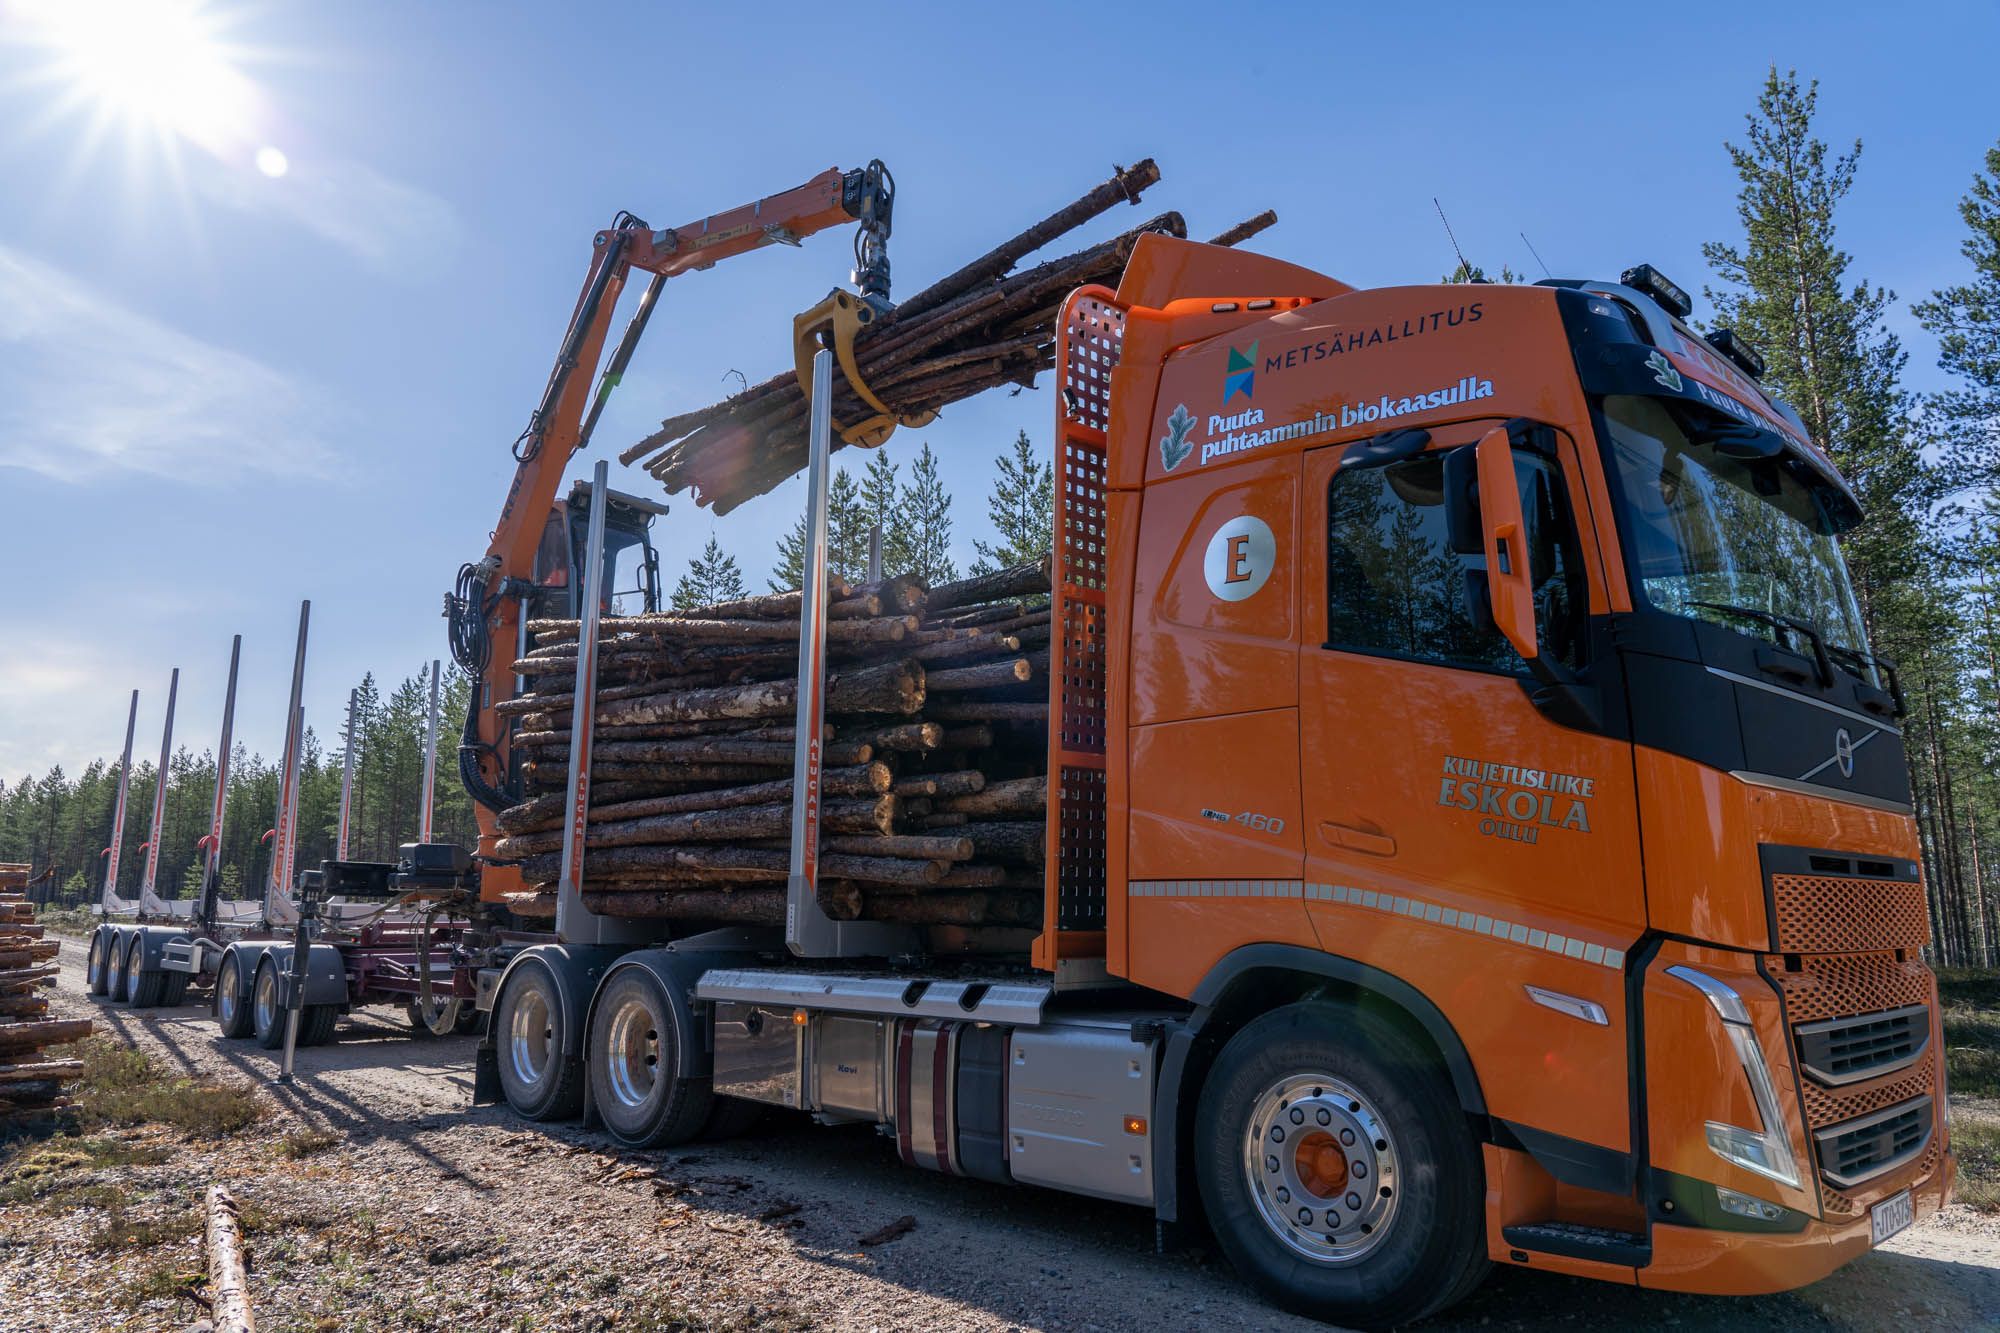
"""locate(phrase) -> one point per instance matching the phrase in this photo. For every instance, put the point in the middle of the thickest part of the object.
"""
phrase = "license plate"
(1888, 1217)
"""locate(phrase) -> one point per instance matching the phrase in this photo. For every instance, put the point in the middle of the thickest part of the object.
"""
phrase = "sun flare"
(157, 64)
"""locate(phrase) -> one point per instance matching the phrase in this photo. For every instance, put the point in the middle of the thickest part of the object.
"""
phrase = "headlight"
(1766, 1150)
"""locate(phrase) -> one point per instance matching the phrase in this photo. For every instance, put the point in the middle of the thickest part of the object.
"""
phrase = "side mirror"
(1508, 579)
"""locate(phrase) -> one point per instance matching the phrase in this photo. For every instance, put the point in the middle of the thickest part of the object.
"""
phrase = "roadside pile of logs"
(977, 329)
(934, 766)
(30, 1086)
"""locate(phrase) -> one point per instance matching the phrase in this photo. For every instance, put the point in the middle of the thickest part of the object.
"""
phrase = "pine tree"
(1021, 508)
(1966, 320)
(1829, 351)
(881, 504)
(846, 538)
(1469, 272)
(712, 577)
(925, 507)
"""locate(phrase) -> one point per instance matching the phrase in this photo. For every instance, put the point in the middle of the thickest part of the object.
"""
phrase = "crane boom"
(489, 602)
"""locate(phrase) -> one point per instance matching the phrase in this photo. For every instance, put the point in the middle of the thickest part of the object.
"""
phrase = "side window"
(1396, 587)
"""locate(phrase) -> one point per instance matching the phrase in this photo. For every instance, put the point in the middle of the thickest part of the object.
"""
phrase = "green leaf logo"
(1174, 446)
(1663, 371)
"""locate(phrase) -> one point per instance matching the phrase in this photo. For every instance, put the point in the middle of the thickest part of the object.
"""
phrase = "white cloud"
(387, 224)
(90, 388)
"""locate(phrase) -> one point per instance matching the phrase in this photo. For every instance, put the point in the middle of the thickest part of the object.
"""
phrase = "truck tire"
(633, 1051)
(316, 1024)
(144, 987)
(267, 1015)
(1338, 1172)
(97, 968)
(175, 991)
(232, 1014)
(114, 968)
(540, 1076)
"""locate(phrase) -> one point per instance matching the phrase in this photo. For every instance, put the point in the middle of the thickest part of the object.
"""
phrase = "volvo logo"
(1843, 752)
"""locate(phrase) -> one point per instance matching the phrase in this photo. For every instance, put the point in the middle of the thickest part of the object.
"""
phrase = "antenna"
(1537, 254)
(1463, 267)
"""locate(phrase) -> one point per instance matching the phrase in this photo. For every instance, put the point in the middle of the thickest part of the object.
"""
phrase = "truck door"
(1456, 835)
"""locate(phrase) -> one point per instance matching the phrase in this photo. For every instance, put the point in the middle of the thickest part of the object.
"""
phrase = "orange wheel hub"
(1321, 1165)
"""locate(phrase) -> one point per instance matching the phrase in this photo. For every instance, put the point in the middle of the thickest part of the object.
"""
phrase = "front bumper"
(1734, 1263)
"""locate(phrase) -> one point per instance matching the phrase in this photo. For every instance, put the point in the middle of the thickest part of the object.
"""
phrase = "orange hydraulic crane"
(527, 565)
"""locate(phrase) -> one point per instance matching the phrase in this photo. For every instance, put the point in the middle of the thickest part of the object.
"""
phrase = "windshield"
(1741, 542)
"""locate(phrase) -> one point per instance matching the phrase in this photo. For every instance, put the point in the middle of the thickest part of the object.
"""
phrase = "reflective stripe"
(1416, 909)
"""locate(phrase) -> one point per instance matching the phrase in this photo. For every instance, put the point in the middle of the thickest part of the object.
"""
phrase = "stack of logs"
(978, 328)
(934, 760)
(30, 1086)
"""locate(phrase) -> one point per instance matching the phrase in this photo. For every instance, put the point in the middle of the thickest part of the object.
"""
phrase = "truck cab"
(1481, 660)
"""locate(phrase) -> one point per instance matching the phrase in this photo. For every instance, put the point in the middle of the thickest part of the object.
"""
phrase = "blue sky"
(221, 392)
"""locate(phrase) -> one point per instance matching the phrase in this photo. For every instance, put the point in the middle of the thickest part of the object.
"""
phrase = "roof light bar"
(1657, 285)
(1746, 358)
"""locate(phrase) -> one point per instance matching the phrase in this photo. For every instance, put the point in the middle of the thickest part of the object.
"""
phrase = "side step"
(1573, 1240)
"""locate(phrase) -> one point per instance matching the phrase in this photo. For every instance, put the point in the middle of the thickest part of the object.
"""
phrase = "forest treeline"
(1925, 564)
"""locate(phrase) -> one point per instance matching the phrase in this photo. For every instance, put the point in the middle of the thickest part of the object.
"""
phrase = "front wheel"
(635, 1046)
(1338, 1170)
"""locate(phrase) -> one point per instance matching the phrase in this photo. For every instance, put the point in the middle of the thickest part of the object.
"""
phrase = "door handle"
(1356, 839)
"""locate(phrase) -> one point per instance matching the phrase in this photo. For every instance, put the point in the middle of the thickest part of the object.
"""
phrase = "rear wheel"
(541, 1077)
(267, 1013)
(97, 969)
(1338, 1170)
(316, 1024)
(175, 989)
(635, 1048)
(144, 987)
(117, 957)
(232, 1014)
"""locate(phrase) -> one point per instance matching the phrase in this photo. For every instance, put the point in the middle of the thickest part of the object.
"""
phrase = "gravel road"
(424, 1212)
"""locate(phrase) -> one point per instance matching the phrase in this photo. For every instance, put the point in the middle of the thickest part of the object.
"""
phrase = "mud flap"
(486, 1074)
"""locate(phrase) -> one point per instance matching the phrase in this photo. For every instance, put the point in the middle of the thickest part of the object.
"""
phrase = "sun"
(163, 65)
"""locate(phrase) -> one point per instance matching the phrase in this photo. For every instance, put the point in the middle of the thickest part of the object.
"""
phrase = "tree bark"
(1015, 797)
(1021, 841)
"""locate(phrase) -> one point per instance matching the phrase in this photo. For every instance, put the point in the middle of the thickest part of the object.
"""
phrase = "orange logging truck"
(1479, 831)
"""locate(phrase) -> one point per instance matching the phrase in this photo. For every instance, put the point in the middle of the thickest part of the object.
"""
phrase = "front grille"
(1839, 1051)
(1843, 913)
(1855, 1150)
(1818, 986)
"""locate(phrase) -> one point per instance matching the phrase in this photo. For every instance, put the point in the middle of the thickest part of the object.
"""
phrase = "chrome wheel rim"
(134, 964)
(94, 965)
(1321, 1164)
(116, 965)
(632, 1053)
(225, 994)
(266, 999)
(531, 1034)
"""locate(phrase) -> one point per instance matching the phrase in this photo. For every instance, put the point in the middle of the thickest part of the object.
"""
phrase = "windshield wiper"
(1790, 625)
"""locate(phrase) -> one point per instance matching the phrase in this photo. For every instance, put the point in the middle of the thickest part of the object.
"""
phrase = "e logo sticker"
(1240, 558)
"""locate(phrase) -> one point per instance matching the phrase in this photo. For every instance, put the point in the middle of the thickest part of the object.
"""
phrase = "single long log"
(668, 630)
(1000, 908)
(1015, 796)
(958, 783)
(973, 644)
(986, 675)
(551, 773)
(37, 1034)
(751, 906)
(964, 876)
(54, 1071)
(1247, 228)
(871, 779)
(891, 687)
(725, 825)
(714, 864)
(903, 736)
(903, 846)
(973, 710)
(1019, 840)
(228, 1284)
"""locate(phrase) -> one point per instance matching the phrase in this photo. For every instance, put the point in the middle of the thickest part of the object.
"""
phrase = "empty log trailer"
(1477, 830)
(376, 933)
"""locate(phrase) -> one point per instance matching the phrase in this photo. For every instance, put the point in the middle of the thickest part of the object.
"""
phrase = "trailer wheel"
(634, 1049)
(232, 1015)
(97, 968)
(175, 990)
(540, 1076)
(1338, 1171)
(267, 1014)
(144, 987)
(316, 1024)
(114, 969)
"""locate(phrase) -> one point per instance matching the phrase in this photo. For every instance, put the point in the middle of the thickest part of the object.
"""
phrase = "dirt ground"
(377, 1198)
